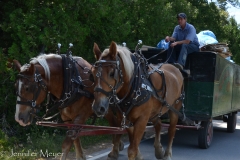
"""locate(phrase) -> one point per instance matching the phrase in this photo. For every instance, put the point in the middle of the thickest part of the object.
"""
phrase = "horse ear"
(96, 51)
(113, 50)
(15, 64)
(31, 69)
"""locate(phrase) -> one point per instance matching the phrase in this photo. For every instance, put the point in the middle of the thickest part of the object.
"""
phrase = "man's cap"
(181, 15)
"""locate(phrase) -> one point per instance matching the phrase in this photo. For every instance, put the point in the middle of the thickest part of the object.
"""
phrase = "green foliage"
(36, 144)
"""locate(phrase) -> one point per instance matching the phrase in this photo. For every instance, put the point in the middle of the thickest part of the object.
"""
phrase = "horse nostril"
(21, 118)
(102, 109)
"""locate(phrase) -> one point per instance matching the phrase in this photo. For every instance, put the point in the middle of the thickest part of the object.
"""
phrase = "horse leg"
(159, 151)
(67, 143)
(78, 148)
(135, 135)
(80, 119)
(66, 146)
(171, 133)
(118, 145)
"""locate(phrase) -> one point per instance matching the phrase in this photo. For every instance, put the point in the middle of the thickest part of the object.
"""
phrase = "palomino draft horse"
(48, 74)
(121, 78)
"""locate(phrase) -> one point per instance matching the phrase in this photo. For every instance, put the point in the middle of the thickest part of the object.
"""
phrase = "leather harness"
(73, 89)
(141, 88)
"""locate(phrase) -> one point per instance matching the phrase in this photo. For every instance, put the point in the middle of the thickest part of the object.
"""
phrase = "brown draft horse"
(113, 73)
(49, 68)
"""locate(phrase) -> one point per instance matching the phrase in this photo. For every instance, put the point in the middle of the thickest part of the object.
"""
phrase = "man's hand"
(174, 44)
(167, 39)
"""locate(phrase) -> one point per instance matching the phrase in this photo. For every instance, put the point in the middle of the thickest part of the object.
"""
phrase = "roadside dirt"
(90, 150)
(102, 146)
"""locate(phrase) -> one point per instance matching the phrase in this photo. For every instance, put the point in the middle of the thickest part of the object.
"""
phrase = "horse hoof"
(167, 158)
(111, 156)
(121, 146)
(139, 157)
(159, 152)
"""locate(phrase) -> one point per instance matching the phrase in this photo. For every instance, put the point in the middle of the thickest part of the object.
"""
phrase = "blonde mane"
(41, 59)
(125, 54)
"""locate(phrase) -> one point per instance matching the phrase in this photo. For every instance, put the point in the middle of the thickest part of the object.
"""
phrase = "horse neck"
(85, 67)
(126, 83)
(55, 83)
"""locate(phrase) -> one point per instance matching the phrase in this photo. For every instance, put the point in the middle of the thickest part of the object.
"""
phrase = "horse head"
(32, 85)
(112, 72)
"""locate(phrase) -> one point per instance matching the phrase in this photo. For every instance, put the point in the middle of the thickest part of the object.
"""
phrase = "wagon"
(212, 90)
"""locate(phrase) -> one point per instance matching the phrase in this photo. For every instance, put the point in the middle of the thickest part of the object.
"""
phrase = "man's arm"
(180, 42)
(168, 39)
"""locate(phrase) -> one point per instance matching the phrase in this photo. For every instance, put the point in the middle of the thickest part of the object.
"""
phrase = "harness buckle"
(35, 77)
(98, 74)
(146, 87)
(123, 123)
(73, 134)
(138, 93)
(33, 103)
(68, 95)
(111, 100)
(80, 79)
(39, 77)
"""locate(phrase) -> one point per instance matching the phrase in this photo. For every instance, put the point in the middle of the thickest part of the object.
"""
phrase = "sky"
(234, 12)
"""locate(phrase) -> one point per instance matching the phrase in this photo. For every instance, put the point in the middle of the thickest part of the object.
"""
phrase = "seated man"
(183, 41)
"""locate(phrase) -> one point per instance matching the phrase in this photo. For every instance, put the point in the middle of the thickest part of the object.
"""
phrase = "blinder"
(116, 76)
(91, 78)
(32, 88)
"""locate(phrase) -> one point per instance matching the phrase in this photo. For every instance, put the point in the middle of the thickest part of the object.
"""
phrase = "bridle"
(37, 85)
(118, 76)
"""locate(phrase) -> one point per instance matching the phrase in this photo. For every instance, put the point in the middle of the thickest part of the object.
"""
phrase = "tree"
(28, 28)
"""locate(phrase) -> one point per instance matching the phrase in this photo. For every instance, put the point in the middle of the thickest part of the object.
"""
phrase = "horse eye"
(26, 88)
(111, 74)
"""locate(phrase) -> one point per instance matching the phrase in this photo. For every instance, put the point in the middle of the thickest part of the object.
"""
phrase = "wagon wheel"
(205, 134)
(231, 122)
